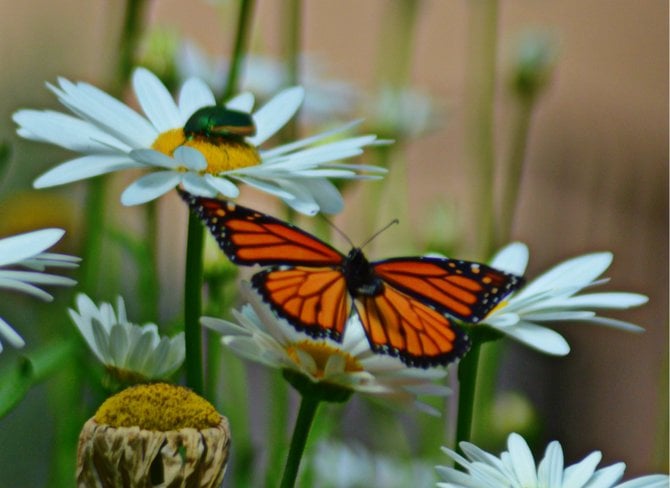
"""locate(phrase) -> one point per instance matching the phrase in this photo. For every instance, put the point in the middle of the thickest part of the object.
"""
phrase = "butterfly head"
(360, 275)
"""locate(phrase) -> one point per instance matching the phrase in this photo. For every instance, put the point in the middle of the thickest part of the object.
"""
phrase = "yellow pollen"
(221, 153)
(501, 305)
(320, 352)
(158, 406)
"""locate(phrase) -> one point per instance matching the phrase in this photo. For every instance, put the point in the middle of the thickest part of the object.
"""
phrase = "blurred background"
(595, 175)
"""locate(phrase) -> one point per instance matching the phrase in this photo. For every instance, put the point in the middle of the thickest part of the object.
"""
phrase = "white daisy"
(553, 297)
(262, 337)
(112, 137)
(27, 251)
(515, 468)
(132, 353)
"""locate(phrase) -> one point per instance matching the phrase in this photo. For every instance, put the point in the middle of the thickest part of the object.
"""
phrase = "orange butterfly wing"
(313, 300)
(249, 237)
(399, 325)
(463, 289)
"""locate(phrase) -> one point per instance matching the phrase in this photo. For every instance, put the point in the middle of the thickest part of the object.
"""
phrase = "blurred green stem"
(303, 424)
(244, 18)
(514, 167)
(396, 43)
(467, 383)
(130, 37)
(483, 27)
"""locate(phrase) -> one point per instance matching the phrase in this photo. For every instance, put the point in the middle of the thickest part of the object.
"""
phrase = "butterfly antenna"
(337, 229)
(393, 222)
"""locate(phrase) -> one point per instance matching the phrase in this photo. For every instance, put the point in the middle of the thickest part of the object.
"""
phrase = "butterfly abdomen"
(360, 275)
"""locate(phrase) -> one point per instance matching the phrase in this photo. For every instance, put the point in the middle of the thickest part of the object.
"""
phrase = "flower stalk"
(303, 424)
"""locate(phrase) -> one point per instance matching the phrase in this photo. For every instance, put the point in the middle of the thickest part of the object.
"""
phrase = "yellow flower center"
(321, 352)
(221, 153)
(158, 406)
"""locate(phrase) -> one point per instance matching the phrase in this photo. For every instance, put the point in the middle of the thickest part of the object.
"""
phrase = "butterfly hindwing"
(399, 325)
(249, 237)
(313, 300)
(463, 289)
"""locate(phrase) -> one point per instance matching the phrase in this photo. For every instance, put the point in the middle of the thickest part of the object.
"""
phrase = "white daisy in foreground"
(206, 148)
(552, 297)
(262, 337)
(131, 353)
(27, 251)
(516, 469)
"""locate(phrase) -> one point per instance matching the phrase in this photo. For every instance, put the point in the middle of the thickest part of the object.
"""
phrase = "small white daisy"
(132, 353)
(553, 297)
(515, 468)
(112, 137)
(27, 251)
(262, 337)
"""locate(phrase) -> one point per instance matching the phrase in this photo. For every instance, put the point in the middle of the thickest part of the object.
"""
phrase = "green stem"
(94, 226)
(514, 168)
(292, 40)
(482, 56)
(193, 304)
(276, 427)
(467, 382)
(239, 49)
(130, 37)
(150, 284)
(303, 423)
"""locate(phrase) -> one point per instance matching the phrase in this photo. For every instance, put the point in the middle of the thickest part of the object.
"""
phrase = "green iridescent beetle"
(215, 121)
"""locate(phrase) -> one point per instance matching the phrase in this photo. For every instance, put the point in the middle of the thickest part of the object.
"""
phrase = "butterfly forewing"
(463, 289)
(400, 325)
(250, 237)
(313, 300)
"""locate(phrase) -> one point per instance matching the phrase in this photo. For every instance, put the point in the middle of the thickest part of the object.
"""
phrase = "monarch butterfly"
(401, 302)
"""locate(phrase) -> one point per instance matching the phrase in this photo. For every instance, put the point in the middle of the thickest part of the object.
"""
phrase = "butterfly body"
(402, 303)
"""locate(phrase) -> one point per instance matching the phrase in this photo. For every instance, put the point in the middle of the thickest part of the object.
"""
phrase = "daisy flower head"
(516, 468)
(22, 262)
(131, 353)
(208, 149)
(260, 336)
(554, 297)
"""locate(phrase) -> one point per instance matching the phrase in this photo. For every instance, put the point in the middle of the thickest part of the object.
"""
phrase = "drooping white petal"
(197, 185)
(223, 185)
(540, 338)
(156, 101)
(275, 114)
(325, 194)
(149, 187)
(82, 168)
(191, 158)
(151, 157)
(307, 141)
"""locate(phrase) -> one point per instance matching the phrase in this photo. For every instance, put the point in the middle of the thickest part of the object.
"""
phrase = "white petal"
(152, 157)
(512, 258)
(82, 168)
(266, 186)
(617, 300)
(191, 158)
(550, 470)
(540, 338)
(16, 248)
(522, 460)
(10, 335)
(617, 324)
(578, 474)
(607, 477)
(559, 315)
(577, 272)
(308, 141)
(106, 112)
(66, 131)
(25, 288)
(197, 185)
(276, 113)
(326, 195)
(194, 95)
(649, 481)
(156, 101)
(223, 185)
(149, 187)
(244, 102)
